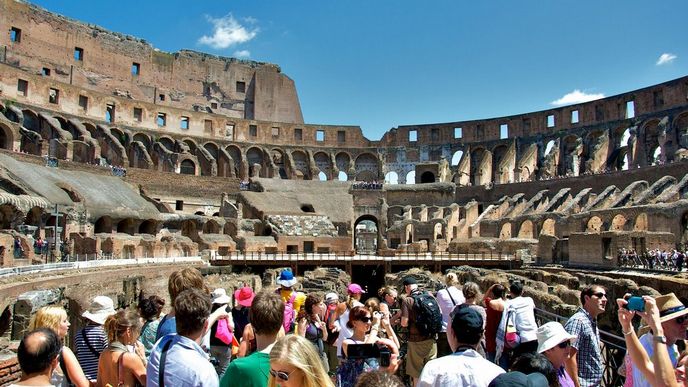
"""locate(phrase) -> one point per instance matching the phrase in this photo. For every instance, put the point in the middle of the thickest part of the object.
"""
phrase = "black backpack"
(428, 313)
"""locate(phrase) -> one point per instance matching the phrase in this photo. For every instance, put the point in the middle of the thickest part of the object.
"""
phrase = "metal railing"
(613, 349)
(350, 257)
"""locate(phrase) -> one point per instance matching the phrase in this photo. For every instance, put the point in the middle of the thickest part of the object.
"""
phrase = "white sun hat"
(101, 308)
(551, 334)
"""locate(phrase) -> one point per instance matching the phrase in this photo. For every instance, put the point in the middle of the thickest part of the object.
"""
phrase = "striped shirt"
(87, 358)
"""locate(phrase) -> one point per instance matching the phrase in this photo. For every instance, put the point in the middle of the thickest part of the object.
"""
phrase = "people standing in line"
(555, 344)
(178, 359)
(150, 309)
(447, 298)
(520, 311)
(585, 362)
(38, 355)
(422, 347)
(221, 333)
(471, 291)
(91, 340)
(118, 366)
(312, 327)
(354, 293)
(68, 369)
(495, 303)
(294, 362)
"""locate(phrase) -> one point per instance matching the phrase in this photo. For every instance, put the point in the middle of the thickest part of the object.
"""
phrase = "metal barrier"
(348, 257)
(613, 349)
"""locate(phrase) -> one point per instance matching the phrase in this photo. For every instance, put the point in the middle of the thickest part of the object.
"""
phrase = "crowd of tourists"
(456, 337)
(653, 259)
(367, 185)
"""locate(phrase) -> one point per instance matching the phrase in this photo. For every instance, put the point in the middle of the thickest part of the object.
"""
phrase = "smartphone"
(635, 303)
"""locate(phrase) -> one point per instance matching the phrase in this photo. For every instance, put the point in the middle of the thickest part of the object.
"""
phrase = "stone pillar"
(27, 304)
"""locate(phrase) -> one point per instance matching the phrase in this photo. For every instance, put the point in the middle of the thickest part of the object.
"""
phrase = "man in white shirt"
(464, 367)
(447, 299)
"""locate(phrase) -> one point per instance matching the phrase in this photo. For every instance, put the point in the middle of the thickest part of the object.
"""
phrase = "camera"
(377, 314)
(635, 303)
(366, 351)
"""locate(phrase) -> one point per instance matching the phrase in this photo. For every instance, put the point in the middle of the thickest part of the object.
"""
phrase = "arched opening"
(391, 178)
(211, 227)
(103, 225)
(438, 231)
(411, 177)
(427, 177)
(5, 137)
(255, 157)
(322, 176)
(127, 226)
(527, 230)
(640, 222)
(548, 227)
(408, 232)
(193, 147)
(367, 162)
(323, 163)
(235, 153)
(549, 147)
(278, 160)
(618, 223)
(456, 158)
(9, 216)
(230, 229)
(189, 229)
(342, 176)
(343, 161)
(148, 226)
(594, 225)
(301, 164)
(505, 232)
(366, 235)
(119, 136)
(187, 167)
(143, 139)
(167, 143)
(657, 156)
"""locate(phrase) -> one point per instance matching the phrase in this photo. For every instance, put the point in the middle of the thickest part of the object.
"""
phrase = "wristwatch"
(660, 339)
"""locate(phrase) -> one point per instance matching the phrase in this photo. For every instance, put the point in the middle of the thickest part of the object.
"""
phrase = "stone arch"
(120, 135)
(640, 223)
(90, 128)
(103, 225)
(193, 146)
(127, 226)
(10, 216)
(235, 153)
(34, 216)
(230, 229)
(618, 223)
(548, 227)
(569, 159)
(342, 176)
(456, 158)
(73, 194)
(505, 232)
(366, 162)
(479, 168)
(324, 163)
(499, 152)
(680, 126)
(254, 155)
(366, 234)
(392, 178)
(6, 137)
(211, 227)
(148, 226)
(438, 231)
(651, 135)
(189, 229)
(212, 148)
(279, 159)
(187, 167)
(301, 164)
(411, 177)
(594, 225)
(31, 121)
(143, 138)
(167, 142)
(427, 177)
(527, 229)
(65, 126)
(343, 161)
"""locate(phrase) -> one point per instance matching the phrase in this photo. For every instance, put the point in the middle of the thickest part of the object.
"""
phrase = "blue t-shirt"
(167, 325)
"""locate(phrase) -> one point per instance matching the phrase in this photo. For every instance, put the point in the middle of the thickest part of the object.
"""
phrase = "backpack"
(289, 313)
(428, 313)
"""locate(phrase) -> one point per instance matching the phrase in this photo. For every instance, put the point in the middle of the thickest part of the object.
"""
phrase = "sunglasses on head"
(280, 374)
(599, 295)
(564, 344)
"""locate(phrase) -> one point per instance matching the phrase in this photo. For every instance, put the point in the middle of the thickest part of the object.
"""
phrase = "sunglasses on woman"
(366, 319)
(564, 344)
(280, 374)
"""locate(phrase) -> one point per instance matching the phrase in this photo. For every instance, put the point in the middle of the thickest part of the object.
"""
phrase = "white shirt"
(446, 304)
(344, 331)
(524, 317)
(465, 368)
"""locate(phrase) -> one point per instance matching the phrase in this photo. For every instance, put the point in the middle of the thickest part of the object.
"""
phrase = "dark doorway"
(427, 177)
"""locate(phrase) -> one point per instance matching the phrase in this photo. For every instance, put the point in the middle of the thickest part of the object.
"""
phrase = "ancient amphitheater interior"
(127, 152)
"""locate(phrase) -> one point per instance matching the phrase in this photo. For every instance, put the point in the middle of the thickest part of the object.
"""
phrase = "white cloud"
(665, 58)
(576, 96)
(242, 54)
(227, 32)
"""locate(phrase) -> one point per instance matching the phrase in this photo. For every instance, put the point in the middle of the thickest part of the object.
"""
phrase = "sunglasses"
(564, 344)
(282, 375)
(681, 320)
(366, 319)
(600, 295)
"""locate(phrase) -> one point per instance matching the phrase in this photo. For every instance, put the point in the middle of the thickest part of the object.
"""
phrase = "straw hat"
(101, 308)
(551, 334)
(670, 307)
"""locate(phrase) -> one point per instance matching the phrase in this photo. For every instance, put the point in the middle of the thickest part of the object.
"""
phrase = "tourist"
(266, 315)
(178, 359)
(472, 292)
(668, 330)
(365, 328)
(294, 362)
(221, 333)
(520, 311)
(243, 298)
(331, 302)
(585, 362)
(18, 249)
(517, 378)
(91, 340)
(495, 303)
(379, 378)
(389, 304)
(354, 293)
(187, 278)
(292, 299)
(555, 343)
(117, 365)
(38, 354)
(536, 363)
(68, 370)
(465, 366)
(422, 346)
(150, 309)
(386, 330)
(448, 298)
(311, 326)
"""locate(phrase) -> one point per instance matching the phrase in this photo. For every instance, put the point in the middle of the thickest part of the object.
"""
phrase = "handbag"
(511, 336)
(223, 332)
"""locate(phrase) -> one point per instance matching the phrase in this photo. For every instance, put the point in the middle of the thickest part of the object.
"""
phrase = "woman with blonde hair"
(117, 366)
(295, 362)
(68, 370)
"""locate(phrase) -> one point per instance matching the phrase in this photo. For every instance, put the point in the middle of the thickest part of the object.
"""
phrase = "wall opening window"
(161, 97)
(213, 105)
(179, 205)
(253, 131)
(319, 135)
(135, 68)
(503, 131)
(184, 123)
(208, 126)
(229, 131)
(458, 132)
(298, 134)
(15, 35)
(574, 116)
(53, 95)
(526, 125)
(78, 53)
(110, 113)
(240, 87)
(45, 72)
(341, 136)
(434, 134)
(83, 102)
(138, 114)
(161, 120)
(275, 131)
(413, 135)
(630, 109)
(480, 132)
(22, 87)
(550, 121)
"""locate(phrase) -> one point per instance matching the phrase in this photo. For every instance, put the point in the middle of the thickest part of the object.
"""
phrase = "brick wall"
(9, 369)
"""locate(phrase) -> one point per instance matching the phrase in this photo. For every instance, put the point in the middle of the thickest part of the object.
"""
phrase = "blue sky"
(379, 64)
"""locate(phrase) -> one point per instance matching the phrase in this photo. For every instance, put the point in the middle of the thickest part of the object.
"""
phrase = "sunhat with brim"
(219, 296)
(244, 296)
(101, 308)
(551, 334)
(670, 307)
(286, 279)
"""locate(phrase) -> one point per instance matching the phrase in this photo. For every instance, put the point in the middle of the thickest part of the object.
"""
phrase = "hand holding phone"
(635, 303)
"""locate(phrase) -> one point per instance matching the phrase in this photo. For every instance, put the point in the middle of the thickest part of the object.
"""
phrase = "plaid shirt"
(589, 356)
